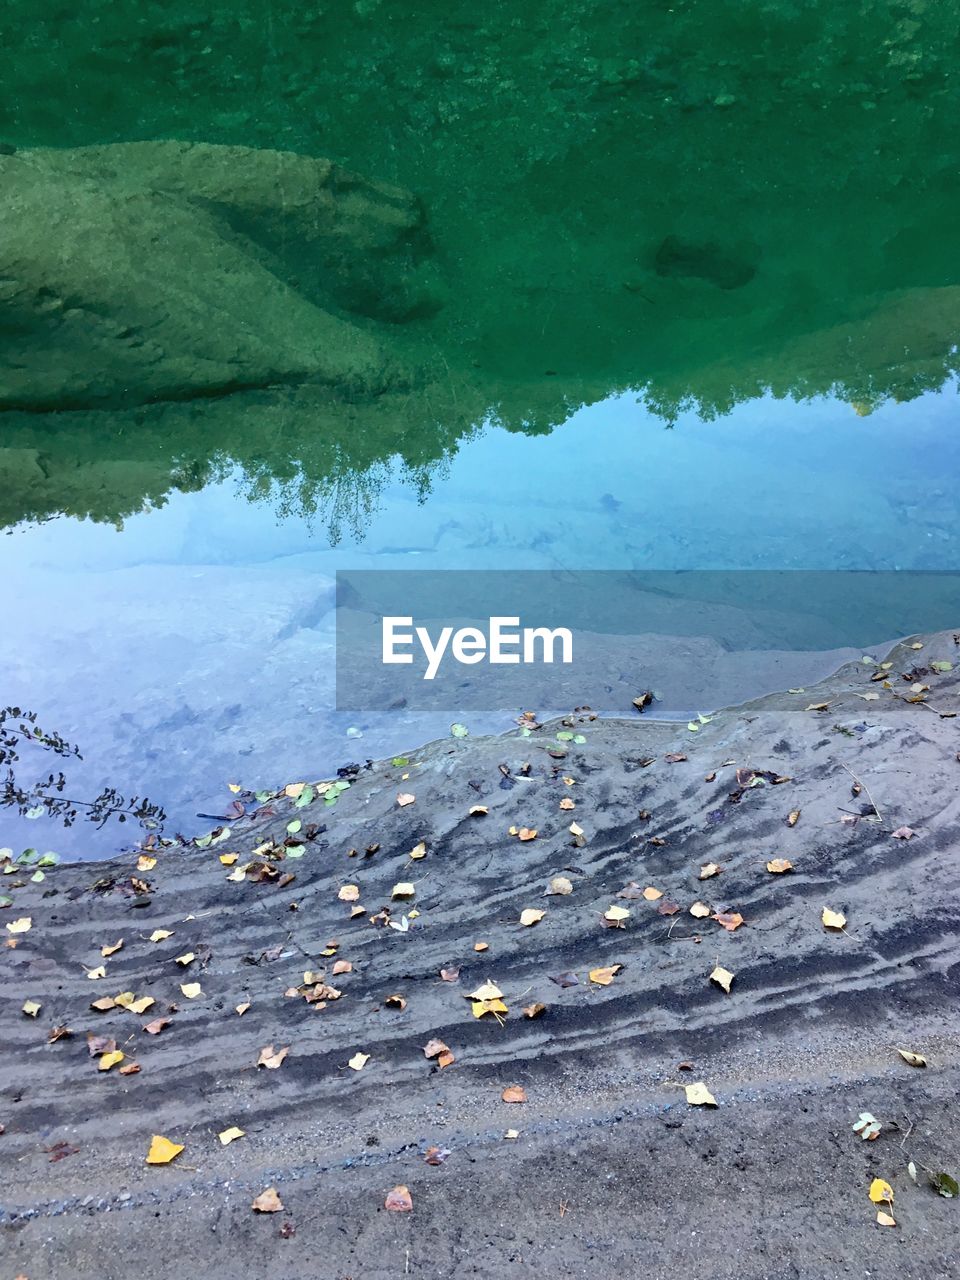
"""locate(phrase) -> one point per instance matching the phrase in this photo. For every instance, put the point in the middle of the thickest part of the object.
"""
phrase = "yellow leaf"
(234, 787)
(109, 951)
(272, 1058)
(228, 859)
(191, 990)
(238, 874)
(124, 999)
(833, 919)
(531, 916)
(914, 1059)
(99, 972)
(881, 1192)
(141, 1005)
(159, 935)
(722, 977)
(527, 833)
(230, 1135)
(709, 869)
(293, 789)
(162, 1150)
(404, 889)
(418, 851)
(777, 866)
(358, 1061)
(103, 1004)
(698, 1095)
(242, 1009)
(652, 894)
(480, 1007)
(616, 914)
(349, 893)
(818, 706)
(886, 1219)
(604, 976)
(187, 958)
(145, 862)
(31, 1008)
(488, 991)
(19, 926)
(109, 1060)
(700, 910)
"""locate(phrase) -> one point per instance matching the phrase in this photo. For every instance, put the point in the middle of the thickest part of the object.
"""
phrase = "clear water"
(687, 296)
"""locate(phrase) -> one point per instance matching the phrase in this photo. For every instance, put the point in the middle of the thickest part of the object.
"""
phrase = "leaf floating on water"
(698, 1095)
(833, 919)
(459, 731)
(605, 975)
(722, 977)
(272, 1058)
(560, 885)
(162, 1150)
(267, 1202)
(913, 1059)
(399, 1200)
(941, 667)
(531, 916)
(778, 866)
(514, 1093)
(881, 1192)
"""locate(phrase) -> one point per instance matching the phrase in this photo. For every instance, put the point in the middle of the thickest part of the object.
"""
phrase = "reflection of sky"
(195, 647)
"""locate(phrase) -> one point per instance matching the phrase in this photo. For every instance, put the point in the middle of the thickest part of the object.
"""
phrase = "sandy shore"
(612, 1172)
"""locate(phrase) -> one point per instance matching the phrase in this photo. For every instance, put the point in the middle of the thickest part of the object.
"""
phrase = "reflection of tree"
(613, 208)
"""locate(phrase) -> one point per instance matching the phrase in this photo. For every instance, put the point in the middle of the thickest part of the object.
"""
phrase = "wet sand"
(612, 1172)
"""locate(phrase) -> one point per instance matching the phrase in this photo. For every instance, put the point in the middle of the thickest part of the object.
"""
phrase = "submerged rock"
(167, 270)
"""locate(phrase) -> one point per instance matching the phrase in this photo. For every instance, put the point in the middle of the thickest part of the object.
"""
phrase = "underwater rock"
(709, 261)
(151, 271)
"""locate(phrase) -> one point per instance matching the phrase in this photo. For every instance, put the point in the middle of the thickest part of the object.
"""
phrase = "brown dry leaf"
(145, 862)
(534, 1010)
(342, 966)
(58, 1033)
(103, 1004)
(514, 1093)
(709, 869)
(110, 950)
(434, 1047)
(652, 894)
(131, 1069)
(667, 908)
(272, 1058)
(162, 1150)
(700, 910)
(833, 919)
(885, 1219)
(605, 975)
(267, 1202)
(156, 1026)
(527, 833)
(818, 706)
(530, 916)
(450, 975)
(97, 1045)
(404, 798)
(698, 1095)
(903, 833)
(559, 885)
(674, 757)
(399, 1200)
(396, 1001)
(445, 1059)
(914, 1059)
(567, 804)
(478, 811)
(242, 1009)
(159, 935)
(435, 1155)
(729, 920)
(349, 893)
(722, 977)
(793, 817)
(777, 866)
(481, 946)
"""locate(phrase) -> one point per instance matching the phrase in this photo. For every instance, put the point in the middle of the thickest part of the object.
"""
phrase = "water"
(677, 290)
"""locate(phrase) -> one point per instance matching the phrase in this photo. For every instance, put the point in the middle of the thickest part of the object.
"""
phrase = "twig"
(859, 783)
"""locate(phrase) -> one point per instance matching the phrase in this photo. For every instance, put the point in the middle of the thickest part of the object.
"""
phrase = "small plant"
(45, 797)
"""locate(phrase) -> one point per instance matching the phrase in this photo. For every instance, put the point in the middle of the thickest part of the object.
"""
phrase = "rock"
(170, 270)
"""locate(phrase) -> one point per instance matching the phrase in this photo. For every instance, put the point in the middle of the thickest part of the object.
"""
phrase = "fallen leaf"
(342, 966)
(652, 894)
(95, 974)
(531, 916)
(604, 976)
(60, 1151)
(418, 851)
(793, 817)
(514, 1093)
(31, 1008)
(131, 1069)
(527, 833)
(110, 1060)
(20, 926)
(230, 1135)
(156, 1026)
(349, 893)
(404, 798)
(566, 803)
(729, 920)
(145, 862)
(881, 1192)
(903, 833)
(885, 1219)
(162, 1150)
(434, 1047)
(779, 865)
(914, 1059)
(512, 1133)
(450, 975)
(141, 1005)
(565, 979)
(534, 1010)
(833, 919)
(103, 1004)
(481, 946)
(97, 1045)
(478, 811)
(560, 885)
(480, 1007)
(698, 1095)
(399, 1200)
(818, 706)
(228, 859)
(358, 1061)
(945, 1185)
(667, 908)
(110, 950)
(674, 757)
(267, 1202)
(616, 915)
(709, 869)
(404, 889)
(722, 977)
(58, 1033)
(187, 958)
(395, 1002)
(272, 1058)
(868, 1126)
(242, 1009)
(700, 910)
(191, 990)
(435, 1155)
(159, 935)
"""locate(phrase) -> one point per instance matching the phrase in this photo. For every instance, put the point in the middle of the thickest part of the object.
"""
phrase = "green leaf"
(941, 666)
(459, 731)
(400, 761)
(944, 1185)
(579, 739)
(305, 797)
(295, 851)
(294, 826)
(28, 857)
(262, 797)
(564, 736)
(38, 877)
(36, 811)
(5, 901)
(224, 834)
(203, 842)
(49, 860)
